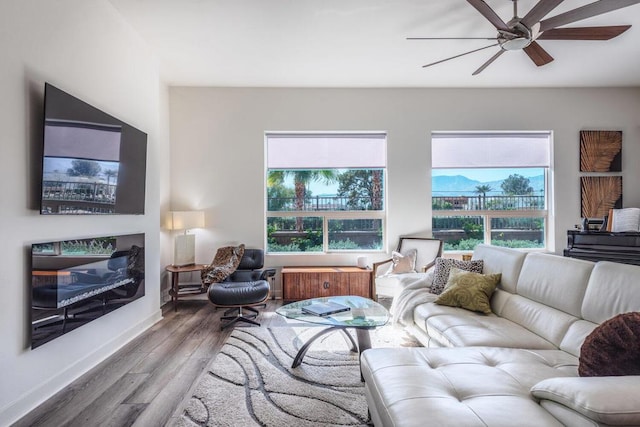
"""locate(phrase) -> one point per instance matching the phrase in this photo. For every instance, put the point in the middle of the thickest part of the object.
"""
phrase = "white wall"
(86, 49)
(217, 148)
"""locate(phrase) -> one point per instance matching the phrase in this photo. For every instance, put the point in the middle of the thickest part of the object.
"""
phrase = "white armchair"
(387, 273)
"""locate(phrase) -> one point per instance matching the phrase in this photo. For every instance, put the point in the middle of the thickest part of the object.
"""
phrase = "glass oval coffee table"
(363, 315)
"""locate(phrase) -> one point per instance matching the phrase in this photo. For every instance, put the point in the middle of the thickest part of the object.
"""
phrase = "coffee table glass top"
(364, 313)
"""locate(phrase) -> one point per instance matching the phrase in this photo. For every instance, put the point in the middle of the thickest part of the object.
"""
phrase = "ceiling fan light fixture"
(515, 44)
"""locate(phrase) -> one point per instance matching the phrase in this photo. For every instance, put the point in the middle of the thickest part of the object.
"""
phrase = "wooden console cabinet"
(313, 282)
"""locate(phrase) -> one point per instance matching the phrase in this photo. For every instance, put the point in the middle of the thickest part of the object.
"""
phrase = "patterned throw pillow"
(225, 262)
(403, 263)
(471, 291)
(443, 266)
(612, 348)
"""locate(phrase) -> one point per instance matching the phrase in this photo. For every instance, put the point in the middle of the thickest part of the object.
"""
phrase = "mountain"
(453, 185)
(459, 185)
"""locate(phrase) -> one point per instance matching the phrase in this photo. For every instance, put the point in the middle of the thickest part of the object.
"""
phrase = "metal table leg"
(303, 350)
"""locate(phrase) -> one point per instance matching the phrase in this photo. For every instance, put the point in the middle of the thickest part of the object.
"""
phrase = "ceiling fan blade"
(452, 38)
(489, 13)
(539, 11)
(584, 12)
(458, 56)
(537, 54)
(486, 64)
(584, 33)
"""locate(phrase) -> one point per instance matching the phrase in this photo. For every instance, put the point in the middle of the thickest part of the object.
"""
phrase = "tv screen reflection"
(80, 167)
(77, 281)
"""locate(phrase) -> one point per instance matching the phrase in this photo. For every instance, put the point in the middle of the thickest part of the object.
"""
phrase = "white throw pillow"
(403, 263)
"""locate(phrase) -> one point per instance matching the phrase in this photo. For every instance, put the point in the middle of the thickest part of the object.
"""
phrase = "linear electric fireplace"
(76, 281)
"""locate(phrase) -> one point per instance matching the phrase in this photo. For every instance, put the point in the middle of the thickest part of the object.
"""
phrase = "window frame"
(327, 215)
(489, 214)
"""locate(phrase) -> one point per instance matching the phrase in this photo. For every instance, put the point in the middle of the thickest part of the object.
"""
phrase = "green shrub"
(347, 244)
(518, 244)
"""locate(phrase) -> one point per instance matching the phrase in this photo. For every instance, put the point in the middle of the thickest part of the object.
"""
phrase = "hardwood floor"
(146, 382)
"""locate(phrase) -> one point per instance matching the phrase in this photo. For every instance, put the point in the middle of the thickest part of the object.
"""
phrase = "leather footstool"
(238, 296)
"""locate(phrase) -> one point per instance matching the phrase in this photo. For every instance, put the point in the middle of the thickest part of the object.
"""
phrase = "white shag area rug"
(251, 382)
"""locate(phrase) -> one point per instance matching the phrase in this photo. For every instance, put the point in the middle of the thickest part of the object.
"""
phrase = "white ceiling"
(362, 43)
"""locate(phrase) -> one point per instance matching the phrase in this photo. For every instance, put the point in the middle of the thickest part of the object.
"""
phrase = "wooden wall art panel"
(600, 151)
(599, 194)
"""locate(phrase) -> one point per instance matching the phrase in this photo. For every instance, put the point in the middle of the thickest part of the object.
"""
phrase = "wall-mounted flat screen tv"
(74, 282)
(92, 162)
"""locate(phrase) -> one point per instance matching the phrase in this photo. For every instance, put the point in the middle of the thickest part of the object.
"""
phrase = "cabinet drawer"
(313, 285)
(314, 282)
(360, 284)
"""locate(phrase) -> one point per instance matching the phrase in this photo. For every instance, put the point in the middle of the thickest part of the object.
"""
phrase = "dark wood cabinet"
(313, 282)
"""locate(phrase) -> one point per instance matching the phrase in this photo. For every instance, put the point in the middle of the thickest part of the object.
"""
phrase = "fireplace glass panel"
(76, 281)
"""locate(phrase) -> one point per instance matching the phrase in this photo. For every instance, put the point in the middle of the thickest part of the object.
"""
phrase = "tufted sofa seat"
(518, 365)
(466, 387)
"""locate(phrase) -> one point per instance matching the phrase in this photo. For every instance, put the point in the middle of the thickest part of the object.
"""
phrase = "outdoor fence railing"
(323, 203)
(79, 191)
(465, 203)
(479, 202)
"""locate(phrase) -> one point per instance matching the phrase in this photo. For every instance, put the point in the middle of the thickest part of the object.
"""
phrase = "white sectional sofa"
(517, 366)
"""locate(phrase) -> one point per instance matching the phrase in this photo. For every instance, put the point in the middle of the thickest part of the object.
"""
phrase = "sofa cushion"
(555, 281)
(607, 400)
(547, 322)
(454, 327)
(610, 291)
(612, 348)
(470, 291)
(443, 268)
(506, 261)
(575, 336)
(468, 386)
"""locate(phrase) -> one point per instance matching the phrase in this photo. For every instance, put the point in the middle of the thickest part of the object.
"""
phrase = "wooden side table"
(299, 283)
(187, 289)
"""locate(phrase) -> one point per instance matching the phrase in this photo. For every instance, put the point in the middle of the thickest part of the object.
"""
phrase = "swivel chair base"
(237, 297)
(240, 316)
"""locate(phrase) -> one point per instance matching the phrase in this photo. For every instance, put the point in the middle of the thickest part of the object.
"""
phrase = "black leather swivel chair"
(244, 289)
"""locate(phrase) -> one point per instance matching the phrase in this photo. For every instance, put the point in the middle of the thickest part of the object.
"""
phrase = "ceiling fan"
(523, 33)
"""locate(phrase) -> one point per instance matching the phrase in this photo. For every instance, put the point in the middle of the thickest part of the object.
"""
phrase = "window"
(325, 192)
(490, 188)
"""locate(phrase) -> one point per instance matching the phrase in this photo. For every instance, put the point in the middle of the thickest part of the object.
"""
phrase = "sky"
(488, 175)
(482, 175)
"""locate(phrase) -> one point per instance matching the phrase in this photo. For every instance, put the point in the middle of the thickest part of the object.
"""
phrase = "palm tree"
(376, 190)
(301, 178)
(483, 190)
(110, 173)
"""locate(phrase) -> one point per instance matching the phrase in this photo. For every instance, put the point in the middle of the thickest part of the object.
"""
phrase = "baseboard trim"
(30, 400)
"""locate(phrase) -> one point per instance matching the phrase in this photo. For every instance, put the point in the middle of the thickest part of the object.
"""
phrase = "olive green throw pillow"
(471, 291)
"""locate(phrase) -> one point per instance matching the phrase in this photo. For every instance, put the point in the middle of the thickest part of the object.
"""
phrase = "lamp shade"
(184, 220)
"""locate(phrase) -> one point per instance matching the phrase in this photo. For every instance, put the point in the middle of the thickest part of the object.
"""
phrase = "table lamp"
(184, 252)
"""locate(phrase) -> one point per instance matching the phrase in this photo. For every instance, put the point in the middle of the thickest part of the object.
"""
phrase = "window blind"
(82, 140)
(326, 151)
(490, 150)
